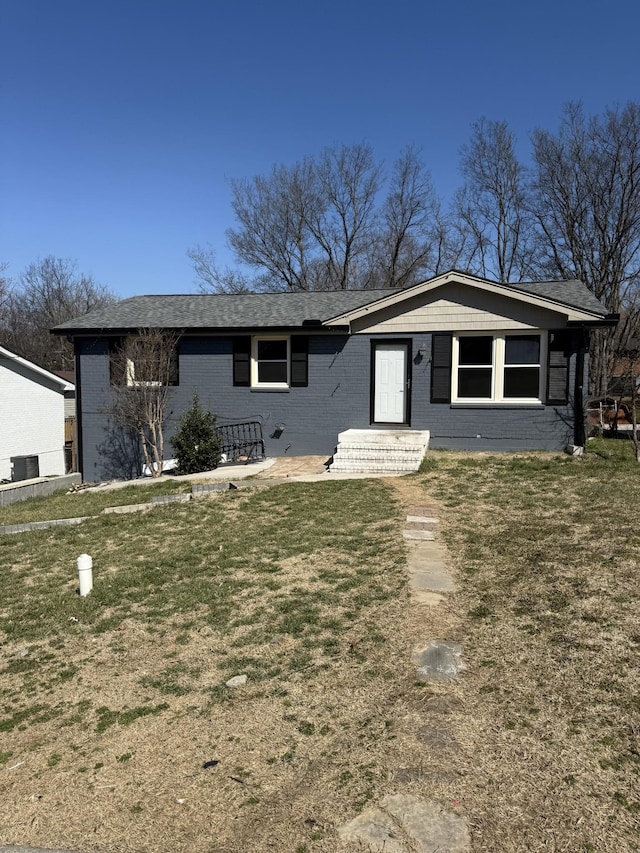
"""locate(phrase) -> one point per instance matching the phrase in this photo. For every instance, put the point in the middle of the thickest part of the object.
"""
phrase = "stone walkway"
(401, 823)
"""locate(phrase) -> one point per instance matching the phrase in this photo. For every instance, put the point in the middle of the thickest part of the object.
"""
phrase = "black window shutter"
(299, 361)
(558, 368)
(242, 361)
(174, 366)
(441, 367)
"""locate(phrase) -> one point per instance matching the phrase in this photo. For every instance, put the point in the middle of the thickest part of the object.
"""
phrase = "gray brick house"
(480, 365)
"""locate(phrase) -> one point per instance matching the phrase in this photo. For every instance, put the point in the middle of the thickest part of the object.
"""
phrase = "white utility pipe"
(85, 573)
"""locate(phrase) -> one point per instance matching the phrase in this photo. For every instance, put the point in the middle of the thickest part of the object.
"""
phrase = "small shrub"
(196, 443)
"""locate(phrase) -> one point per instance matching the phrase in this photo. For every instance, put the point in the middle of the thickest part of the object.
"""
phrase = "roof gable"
(10, 359)
(569, 298)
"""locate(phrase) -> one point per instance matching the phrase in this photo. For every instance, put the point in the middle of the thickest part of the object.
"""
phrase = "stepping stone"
(443, 705)
(422, 519)
(419, 534)
(426, 597)
(422, 510)
(437, 660)
(405, 824)
(434, 577)
(406, 775)
(437, 738)
(426, 551)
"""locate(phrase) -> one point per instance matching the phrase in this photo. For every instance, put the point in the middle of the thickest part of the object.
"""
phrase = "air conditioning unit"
(25, 468)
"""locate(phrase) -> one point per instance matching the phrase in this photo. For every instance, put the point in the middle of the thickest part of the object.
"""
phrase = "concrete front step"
(370, 468)
(379, 456)
(398, 437)
(380, 450)
(373, 451)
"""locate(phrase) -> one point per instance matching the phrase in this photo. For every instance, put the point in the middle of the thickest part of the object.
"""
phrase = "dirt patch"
(295, 466)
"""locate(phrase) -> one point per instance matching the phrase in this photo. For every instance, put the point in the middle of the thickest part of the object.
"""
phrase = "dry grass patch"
(118, 701)
(547, 552)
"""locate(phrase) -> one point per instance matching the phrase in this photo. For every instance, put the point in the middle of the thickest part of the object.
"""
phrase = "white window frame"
(132, 382)
(498, 367)
(255, 362)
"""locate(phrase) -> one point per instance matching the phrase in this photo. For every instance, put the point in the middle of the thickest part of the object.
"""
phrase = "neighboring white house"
(31, 419)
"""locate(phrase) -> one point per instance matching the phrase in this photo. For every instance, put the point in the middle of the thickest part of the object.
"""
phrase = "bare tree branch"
(143, 368)
(491, 206)
(587, 206)
(49, 292)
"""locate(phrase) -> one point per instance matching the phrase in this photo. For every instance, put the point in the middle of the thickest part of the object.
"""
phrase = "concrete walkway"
(294, 468)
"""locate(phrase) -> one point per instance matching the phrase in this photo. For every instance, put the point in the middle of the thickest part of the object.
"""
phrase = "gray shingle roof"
(274, 310)
(572, 293)
(223, 311)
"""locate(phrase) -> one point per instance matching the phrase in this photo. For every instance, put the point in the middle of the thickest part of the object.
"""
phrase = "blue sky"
(122, 122)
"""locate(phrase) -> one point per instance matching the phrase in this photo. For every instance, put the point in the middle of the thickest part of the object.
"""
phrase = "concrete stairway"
(378, 451)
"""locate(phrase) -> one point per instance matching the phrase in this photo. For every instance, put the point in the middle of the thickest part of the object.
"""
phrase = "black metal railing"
(241, 441)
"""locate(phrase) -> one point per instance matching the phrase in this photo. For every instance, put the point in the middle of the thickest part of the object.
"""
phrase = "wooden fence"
(71, 462)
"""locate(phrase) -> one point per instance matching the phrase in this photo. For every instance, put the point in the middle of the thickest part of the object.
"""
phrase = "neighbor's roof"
(11, 360)
(291, 310)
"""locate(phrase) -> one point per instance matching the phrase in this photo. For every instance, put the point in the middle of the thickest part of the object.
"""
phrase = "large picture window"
(498, 368)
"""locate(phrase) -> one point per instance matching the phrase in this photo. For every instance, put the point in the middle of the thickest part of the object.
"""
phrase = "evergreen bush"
(196, 443)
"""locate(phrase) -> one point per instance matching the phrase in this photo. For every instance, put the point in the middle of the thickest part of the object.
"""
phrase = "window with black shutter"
(559, 354)
(242, 361)
(441, 367)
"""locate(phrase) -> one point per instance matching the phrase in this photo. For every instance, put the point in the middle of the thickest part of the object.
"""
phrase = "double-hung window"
(498, 368)
(270, 362)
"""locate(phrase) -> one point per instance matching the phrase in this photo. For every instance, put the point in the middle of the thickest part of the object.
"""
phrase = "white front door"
(390, 383)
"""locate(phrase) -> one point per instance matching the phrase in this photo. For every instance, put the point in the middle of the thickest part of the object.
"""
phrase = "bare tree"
(49, 292)
(319, 225)
(144, 367)
(273, 235)
(347, 181)
(4, 284)
(491, 206)
(587, 206)
(211, 277)
(5, 296)
(411, 227)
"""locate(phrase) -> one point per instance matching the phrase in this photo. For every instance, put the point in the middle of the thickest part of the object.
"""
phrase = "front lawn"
(117, 731)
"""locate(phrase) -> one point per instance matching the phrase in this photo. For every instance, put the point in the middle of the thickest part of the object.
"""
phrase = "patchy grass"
(119, 699)
(86, 502)
(548, 555)
(121, 695)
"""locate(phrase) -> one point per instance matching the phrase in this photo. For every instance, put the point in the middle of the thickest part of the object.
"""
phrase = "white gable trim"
(396, 297)
(7, 355)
